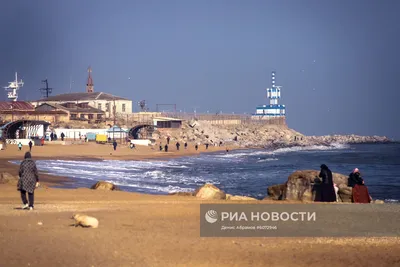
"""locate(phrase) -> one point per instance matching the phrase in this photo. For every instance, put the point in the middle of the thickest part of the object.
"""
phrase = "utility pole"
(46, 91)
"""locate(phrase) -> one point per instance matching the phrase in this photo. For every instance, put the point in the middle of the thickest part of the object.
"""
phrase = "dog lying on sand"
(85, 221)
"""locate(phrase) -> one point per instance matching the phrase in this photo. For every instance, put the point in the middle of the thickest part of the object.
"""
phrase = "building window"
(123, 107)
(73, 116)
(82, 116)
(99, 116)
(99, 106)
(90, 116)
(107, 107)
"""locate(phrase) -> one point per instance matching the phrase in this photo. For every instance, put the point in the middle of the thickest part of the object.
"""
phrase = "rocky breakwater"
(346, 139)
(242, 135)
(301, 186)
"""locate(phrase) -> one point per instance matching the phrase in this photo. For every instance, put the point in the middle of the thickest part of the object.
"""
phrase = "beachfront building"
(165, 122)
(110, 104)
(21, 110)
(81, 111)
(273, 110)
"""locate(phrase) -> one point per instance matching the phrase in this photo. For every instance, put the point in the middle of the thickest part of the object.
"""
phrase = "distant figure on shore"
(355, 178)
(160, 146)
(327, 188)
(62, 136)
(168, 140)
(177, 145)
(52, 136)
(196, 147)
(30, 145)
(220, 143)
(207, 146)
(19, 146)
(55, 137)
(227, 150)
(166, 148)
(28, 181)
(115, 145)
(359, 192)
(185, 145)
(132, 146)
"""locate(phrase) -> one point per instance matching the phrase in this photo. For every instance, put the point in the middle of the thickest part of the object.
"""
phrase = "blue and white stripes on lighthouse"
(273, 109)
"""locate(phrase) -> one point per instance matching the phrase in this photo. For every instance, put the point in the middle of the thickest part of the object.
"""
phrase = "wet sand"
(148, 230)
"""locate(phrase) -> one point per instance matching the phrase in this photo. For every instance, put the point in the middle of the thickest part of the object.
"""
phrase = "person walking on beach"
(326, 187)
(185, 145)
(115, 145)
(28, 181)
(168, 140)
(19, 146)
(207, 146)
(166, 148)
(160, 146)
(30, 145)
(62, 136)
(196, 147)
(177, 145)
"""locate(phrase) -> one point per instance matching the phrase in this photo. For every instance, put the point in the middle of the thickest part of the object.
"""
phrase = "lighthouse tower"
(273, 109)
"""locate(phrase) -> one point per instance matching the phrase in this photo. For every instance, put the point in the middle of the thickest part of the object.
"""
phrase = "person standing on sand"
(28, 181)
(196, 147)
(359, 193)
(115, 145)
(62, 136)
(177, 145)
(355, 178)
(168, 140)
(327, 188)
(19, 146)
(30, 145)
(185, 145)
(207, 146)
(166, 148)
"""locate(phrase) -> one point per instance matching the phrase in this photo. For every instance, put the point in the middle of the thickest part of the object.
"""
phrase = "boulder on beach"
(276, 192)
(7, 178)
(102, 185)
(303, 185)
(232, 197)
(209, 191)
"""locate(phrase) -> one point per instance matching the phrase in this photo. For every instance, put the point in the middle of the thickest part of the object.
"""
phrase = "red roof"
(16, 105)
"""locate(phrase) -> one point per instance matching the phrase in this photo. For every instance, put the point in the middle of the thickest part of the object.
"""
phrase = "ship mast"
(13, 87)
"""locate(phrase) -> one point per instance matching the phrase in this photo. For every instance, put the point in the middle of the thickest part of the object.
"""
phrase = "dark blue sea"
(243, 172)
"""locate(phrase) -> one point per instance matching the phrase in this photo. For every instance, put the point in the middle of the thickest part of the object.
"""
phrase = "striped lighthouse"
(273, 94)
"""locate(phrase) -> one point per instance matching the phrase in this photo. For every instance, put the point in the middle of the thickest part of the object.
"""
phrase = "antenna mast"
(46, 91)
(13, 87)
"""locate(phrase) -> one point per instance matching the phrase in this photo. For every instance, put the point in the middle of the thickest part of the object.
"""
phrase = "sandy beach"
(148, 230)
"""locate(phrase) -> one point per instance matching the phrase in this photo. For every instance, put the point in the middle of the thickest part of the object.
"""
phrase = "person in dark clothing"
(166, 148)
(327, 190)
(207, 146)
(62, 136)
(220, 143)
(160, 147)
(177, 145)
(28, 180)
(51, 136)
(355, 178)
(115, 145)
(30, 145)
(196, 147)
(185, 145)
(168, 140)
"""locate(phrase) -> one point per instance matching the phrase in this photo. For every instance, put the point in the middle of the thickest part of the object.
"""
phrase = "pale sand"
(149, 230)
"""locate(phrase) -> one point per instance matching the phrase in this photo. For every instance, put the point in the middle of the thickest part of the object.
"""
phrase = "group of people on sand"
(328, 191)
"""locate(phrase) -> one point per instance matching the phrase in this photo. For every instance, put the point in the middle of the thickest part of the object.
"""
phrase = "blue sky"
(337, 61)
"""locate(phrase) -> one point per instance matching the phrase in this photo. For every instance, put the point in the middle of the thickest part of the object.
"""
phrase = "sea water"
(240, 172)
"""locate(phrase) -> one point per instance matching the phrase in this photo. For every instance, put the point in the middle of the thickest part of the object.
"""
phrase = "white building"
(103, 101)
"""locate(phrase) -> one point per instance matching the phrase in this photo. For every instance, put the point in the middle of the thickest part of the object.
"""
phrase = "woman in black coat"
(28, 180)
(327, 190)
